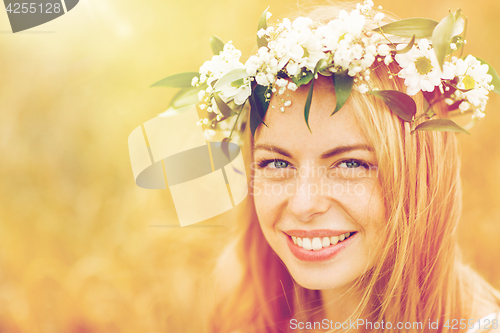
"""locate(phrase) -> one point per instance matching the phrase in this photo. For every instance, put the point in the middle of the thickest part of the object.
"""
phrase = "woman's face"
(312, 190)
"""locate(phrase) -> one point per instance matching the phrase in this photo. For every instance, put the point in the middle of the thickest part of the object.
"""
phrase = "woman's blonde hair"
(418, 275)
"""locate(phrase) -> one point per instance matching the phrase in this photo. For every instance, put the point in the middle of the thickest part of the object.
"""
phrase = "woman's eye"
(352, 164)
(275, 164)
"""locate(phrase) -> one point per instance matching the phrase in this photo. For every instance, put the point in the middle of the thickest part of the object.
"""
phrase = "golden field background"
(82, 248)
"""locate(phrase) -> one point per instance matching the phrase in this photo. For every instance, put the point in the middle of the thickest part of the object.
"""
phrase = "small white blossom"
(420, 68)
(379, 17)
(363, 88)
(194, 81)
(262, 79)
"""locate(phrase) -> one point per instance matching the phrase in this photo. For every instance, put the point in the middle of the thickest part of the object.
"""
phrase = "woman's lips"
(327, 251)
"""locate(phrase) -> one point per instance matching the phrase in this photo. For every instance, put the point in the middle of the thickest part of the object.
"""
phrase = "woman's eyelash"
(353, 163)
(280, 162)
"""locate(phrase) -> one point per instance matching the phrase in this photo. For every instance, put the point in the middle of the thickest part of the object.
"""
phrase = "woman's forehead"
(289, 131)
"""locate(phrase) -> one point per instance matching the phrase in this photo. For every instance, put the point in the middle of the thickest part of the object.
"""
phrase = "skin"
(355, 203)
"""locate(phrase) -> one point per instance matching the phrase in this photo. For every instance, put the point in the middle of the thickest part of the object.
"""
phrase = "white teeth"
(306, 244)
(316, 244)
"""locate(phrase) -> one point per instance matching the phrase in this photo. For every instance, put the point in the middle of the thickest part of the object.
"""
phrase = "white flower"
(226, 61)
(472, 74)
(464, 106)
(292, 86)
(243, 93)
(262, 79)
(379, 17)
(281, 82)
(252, 65)
(363, 88)
(383, 50)
(194, 81)
(420, 68)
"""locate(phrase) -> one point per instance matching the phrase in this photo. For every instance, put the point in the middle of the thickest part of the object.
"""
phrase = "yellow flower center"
(423, 65)
(468, 82)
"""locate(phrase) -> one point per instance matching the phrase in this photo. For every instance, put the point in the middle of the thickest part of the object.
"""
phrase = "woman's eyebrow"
(344, 149)
(273, 149)
(332, 152)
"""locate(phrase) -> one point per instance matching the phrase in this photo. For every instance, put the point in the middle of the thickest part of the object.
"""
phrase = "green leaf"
(408, 47)
(496, 80)
(398, 102)
(343, 87)
(442, 125)
(181, 80)
(420, 27)
(301, 79)
(217, 45)
(262, 25)
(307, 107)
(441, 37)
(223, 107)
(258, 107)
(186, 96)
(230, 77)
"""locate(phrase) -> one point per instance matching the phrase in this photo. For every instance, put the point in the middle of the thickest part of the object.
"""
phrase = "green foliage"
(442, 125)
(408, 47)
(398, 102)
(181, 80)
(496, 80)
(223, 107)
(186, 96)
(342, 83)
(217, 45)
(419, 27)
(441, 37)
(302, 79)
(258, 107)
(262, 25)
(307, 107)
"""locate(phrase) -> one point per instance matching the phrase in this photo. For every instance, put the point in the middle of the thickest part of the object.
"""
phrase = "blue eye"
(275, 164)
(352, 164)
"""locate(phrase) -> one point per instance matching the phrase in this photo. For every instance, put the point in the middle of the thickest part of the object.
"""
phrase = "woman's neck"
(340, 304)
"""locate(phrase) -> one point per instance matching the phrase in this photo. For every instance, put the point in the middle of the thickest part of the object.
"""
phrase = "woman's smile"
(318, 245)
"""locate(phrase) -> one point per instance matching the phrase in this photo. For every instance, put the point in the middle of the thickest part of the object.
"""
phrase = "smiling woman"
(355, 194)
(352, 217)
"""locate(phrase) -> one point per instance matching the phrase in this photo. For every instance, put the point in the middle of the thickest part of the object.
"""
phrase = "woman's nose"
(307, 201)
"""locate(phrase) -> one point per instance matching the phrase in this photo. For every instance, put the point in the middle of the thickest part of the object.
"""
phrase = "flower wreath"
(292, 54)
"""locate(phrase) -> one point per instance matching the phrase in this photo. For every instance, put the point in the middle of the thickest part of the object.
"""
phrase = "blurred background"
(82, 248)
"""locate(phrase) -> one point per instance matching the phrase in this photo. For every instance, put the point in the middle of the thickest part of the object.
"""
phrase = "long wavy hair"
(418, 274)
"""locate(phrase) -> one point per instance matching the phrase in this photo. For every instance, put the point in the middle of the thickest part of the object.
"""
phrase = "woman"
(351, 224)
